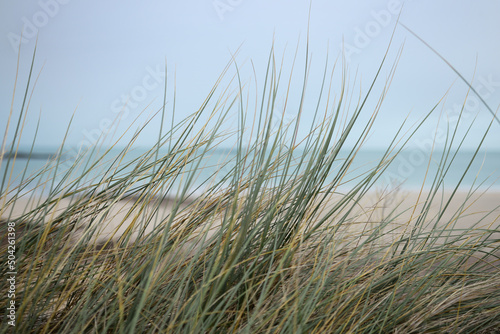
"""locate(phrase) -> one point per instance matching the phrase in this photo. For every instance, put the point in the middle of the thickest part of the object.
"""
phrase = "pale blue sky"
(96, 53)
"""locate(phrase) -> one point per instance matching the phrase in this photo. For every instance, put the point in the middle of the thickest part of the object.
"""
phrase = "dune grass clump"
(274, 243)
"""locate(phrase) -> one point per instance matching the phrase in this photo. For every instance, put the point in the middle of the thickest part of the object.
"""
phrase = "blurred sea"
(409, 170)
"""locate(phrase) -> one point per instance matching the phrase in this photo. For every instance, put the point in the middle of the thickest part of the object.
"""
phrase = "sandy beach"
(463, 211)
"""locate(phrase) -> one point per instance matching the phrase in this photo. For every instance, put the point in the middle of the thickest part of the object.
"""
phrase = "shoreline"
(480, 208)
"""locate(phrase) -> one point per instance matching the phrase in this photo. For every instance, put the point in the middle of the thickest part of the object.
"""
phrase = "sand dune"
(464, 211)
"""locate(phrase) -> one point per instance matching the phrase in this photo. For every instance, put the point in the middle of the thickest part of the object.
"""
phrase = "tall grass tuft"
(110, 243)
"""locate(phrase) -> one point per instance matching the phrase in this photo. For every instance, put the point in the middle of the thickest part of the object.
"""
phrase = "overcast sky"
(98, 54)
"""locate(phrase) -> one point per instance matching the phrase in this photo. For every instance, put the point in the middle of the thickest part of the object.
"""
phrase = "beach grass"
(273, 244)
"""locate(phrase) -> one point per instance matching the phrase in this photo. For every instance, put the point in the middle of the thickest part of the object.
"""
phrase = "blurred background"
(100, 59)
